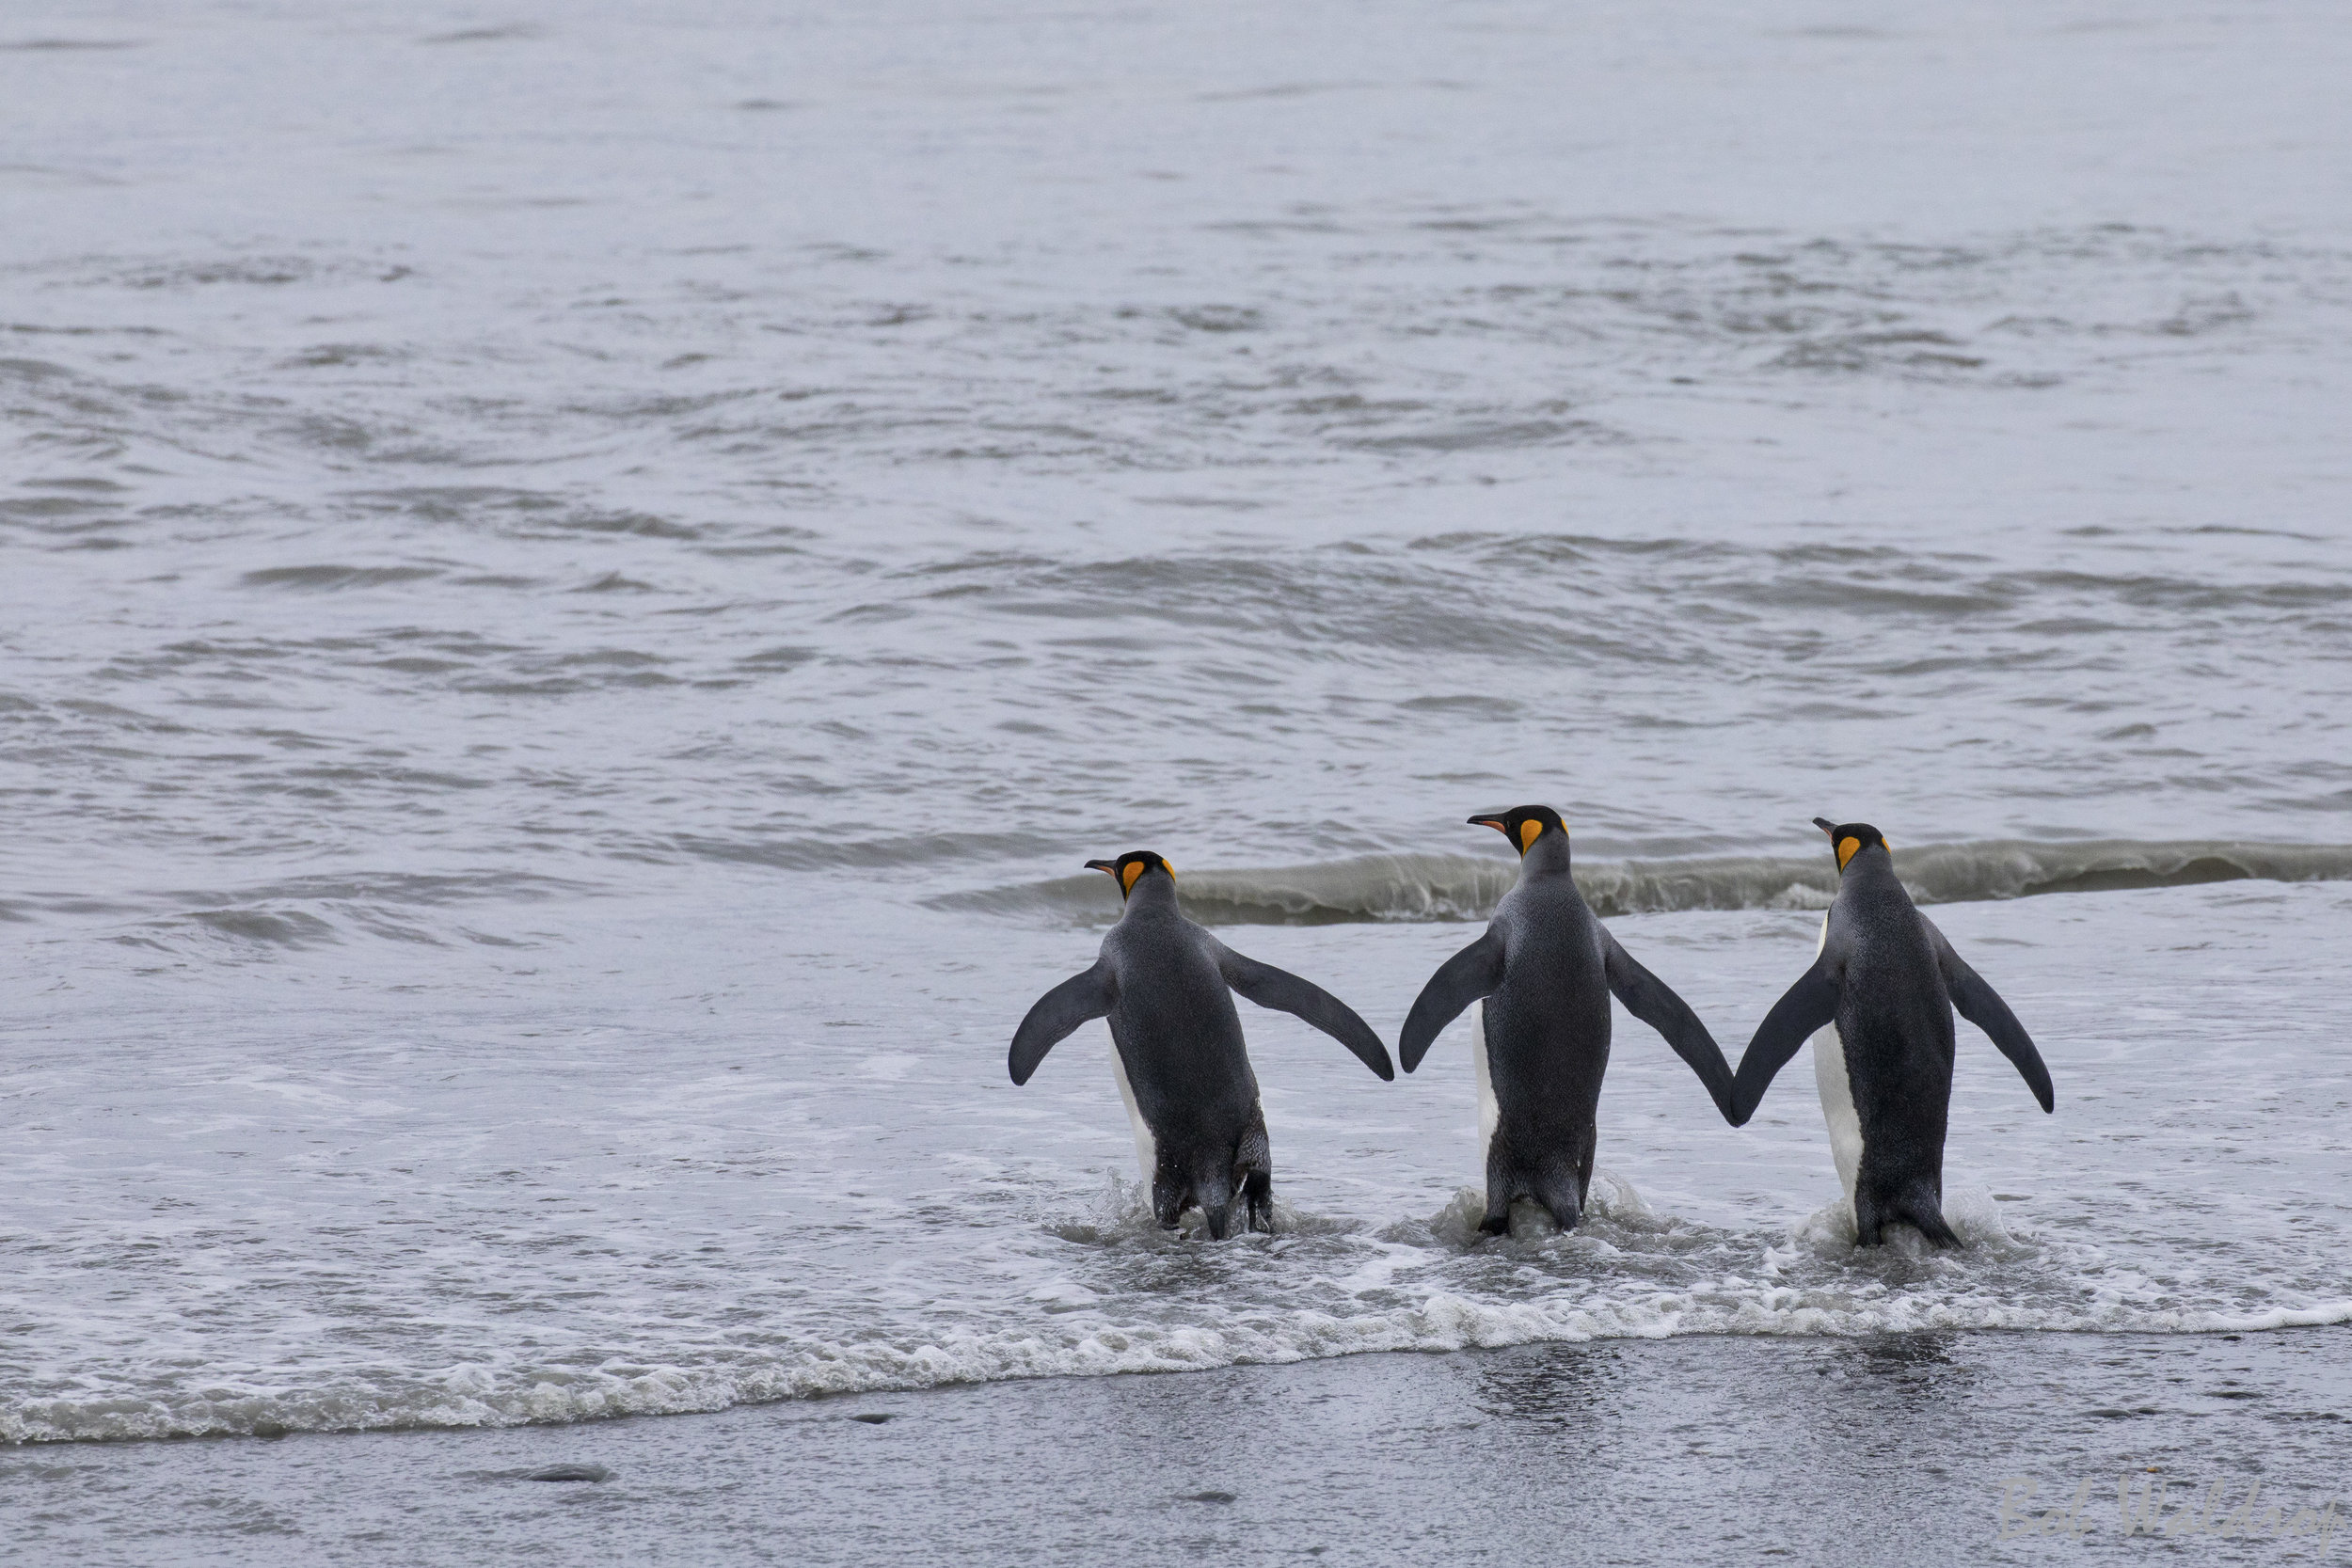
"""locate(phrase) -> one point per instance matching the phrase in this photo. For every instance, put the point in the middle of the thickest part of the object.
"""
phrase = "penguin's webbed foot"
(1495, 1224)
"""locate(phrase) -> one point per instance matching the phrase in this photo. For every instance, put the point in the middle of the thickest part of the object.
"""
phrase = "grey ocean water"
(576, 583)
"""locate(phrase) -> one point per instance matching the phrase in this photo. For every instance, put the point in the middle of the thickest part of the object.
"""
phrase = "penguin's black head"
(1523, 825)
(1851, 838)
(1129, 868)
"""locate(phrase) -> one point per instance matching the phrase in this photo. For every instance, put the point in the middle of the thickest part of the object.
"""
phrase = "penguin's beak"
(1494, 820)
(1111, 866)
(1825, 825)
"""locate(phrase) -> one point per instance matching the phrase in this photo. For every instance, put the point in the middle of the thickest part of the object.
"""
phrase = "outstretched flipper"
(1285, 992)
(1808, 1005)
(1077, 1000)
(1982, 1005)
(1462, 979)
(1654, 1002)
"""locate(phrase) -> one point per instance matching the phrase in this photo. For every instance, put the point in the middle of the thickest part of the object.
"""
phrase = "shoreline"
(1687, 1450)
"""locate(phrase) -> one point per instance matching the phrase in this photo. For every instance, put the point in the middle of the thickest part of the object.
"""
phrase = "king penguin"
(1881, 994)
(1542, 977)
(1176, 1048)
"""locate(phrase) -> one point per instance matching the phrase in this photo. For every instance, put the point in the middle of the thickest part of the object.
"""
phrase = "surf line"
(2140, 1500)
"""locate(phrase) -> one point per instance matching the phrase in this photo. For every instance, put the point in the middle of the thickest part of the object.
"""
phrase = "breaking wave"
(1466, 887)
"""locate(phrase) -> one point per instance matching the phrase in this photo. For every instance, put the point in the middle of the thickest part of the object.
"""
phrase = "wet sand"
(1892, 1449)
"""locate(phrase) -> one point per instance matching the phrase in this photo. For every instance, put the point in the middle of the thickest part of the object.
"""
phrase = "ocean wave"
(1466, 887)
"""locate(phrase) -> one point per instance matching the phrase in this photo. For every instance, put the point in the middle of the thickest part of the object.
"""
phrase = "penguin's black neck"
(1154, 892)
(1547, 857)
(1870, 874)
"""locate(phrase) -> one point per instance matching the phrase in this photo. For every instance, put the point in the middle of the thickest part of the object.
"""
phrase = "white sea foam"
(1091, 1345)
(1432, 1284)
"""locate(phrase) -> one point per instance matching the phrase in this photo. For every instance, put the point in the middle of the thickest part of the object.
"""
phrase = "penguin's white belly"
(1147, 1147)
(1845, 1128)
(1829, 1076)
(1489, 1114)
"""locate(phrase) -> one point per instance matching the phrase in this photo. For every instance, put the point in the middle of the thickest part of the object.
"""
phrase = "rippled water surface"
(576, 584)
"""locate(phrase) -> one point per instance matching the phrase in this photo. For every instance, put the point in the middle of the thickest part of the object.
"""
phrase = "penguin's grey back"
(1175, 1025)
(1554, 986)
(1893, 985)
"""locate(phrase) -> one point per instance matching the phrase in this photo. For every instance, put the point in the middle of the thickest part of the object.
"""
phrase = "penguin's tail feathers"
(1559, 1195)
(1920, 1205)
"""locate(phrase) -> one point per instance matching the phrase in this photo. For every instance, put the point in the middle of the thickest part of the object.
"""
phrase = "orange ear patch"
(1127, 875)
(1847, 850)
(1530, 830)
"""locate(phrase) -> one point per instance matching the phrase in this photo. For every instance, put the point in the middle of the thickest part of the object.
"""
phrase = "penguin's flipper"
(1285, 992)
(1462, 979)
(1807, 1005)
(1654, 1002)
(1077, 1000)
(1982, 1005)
